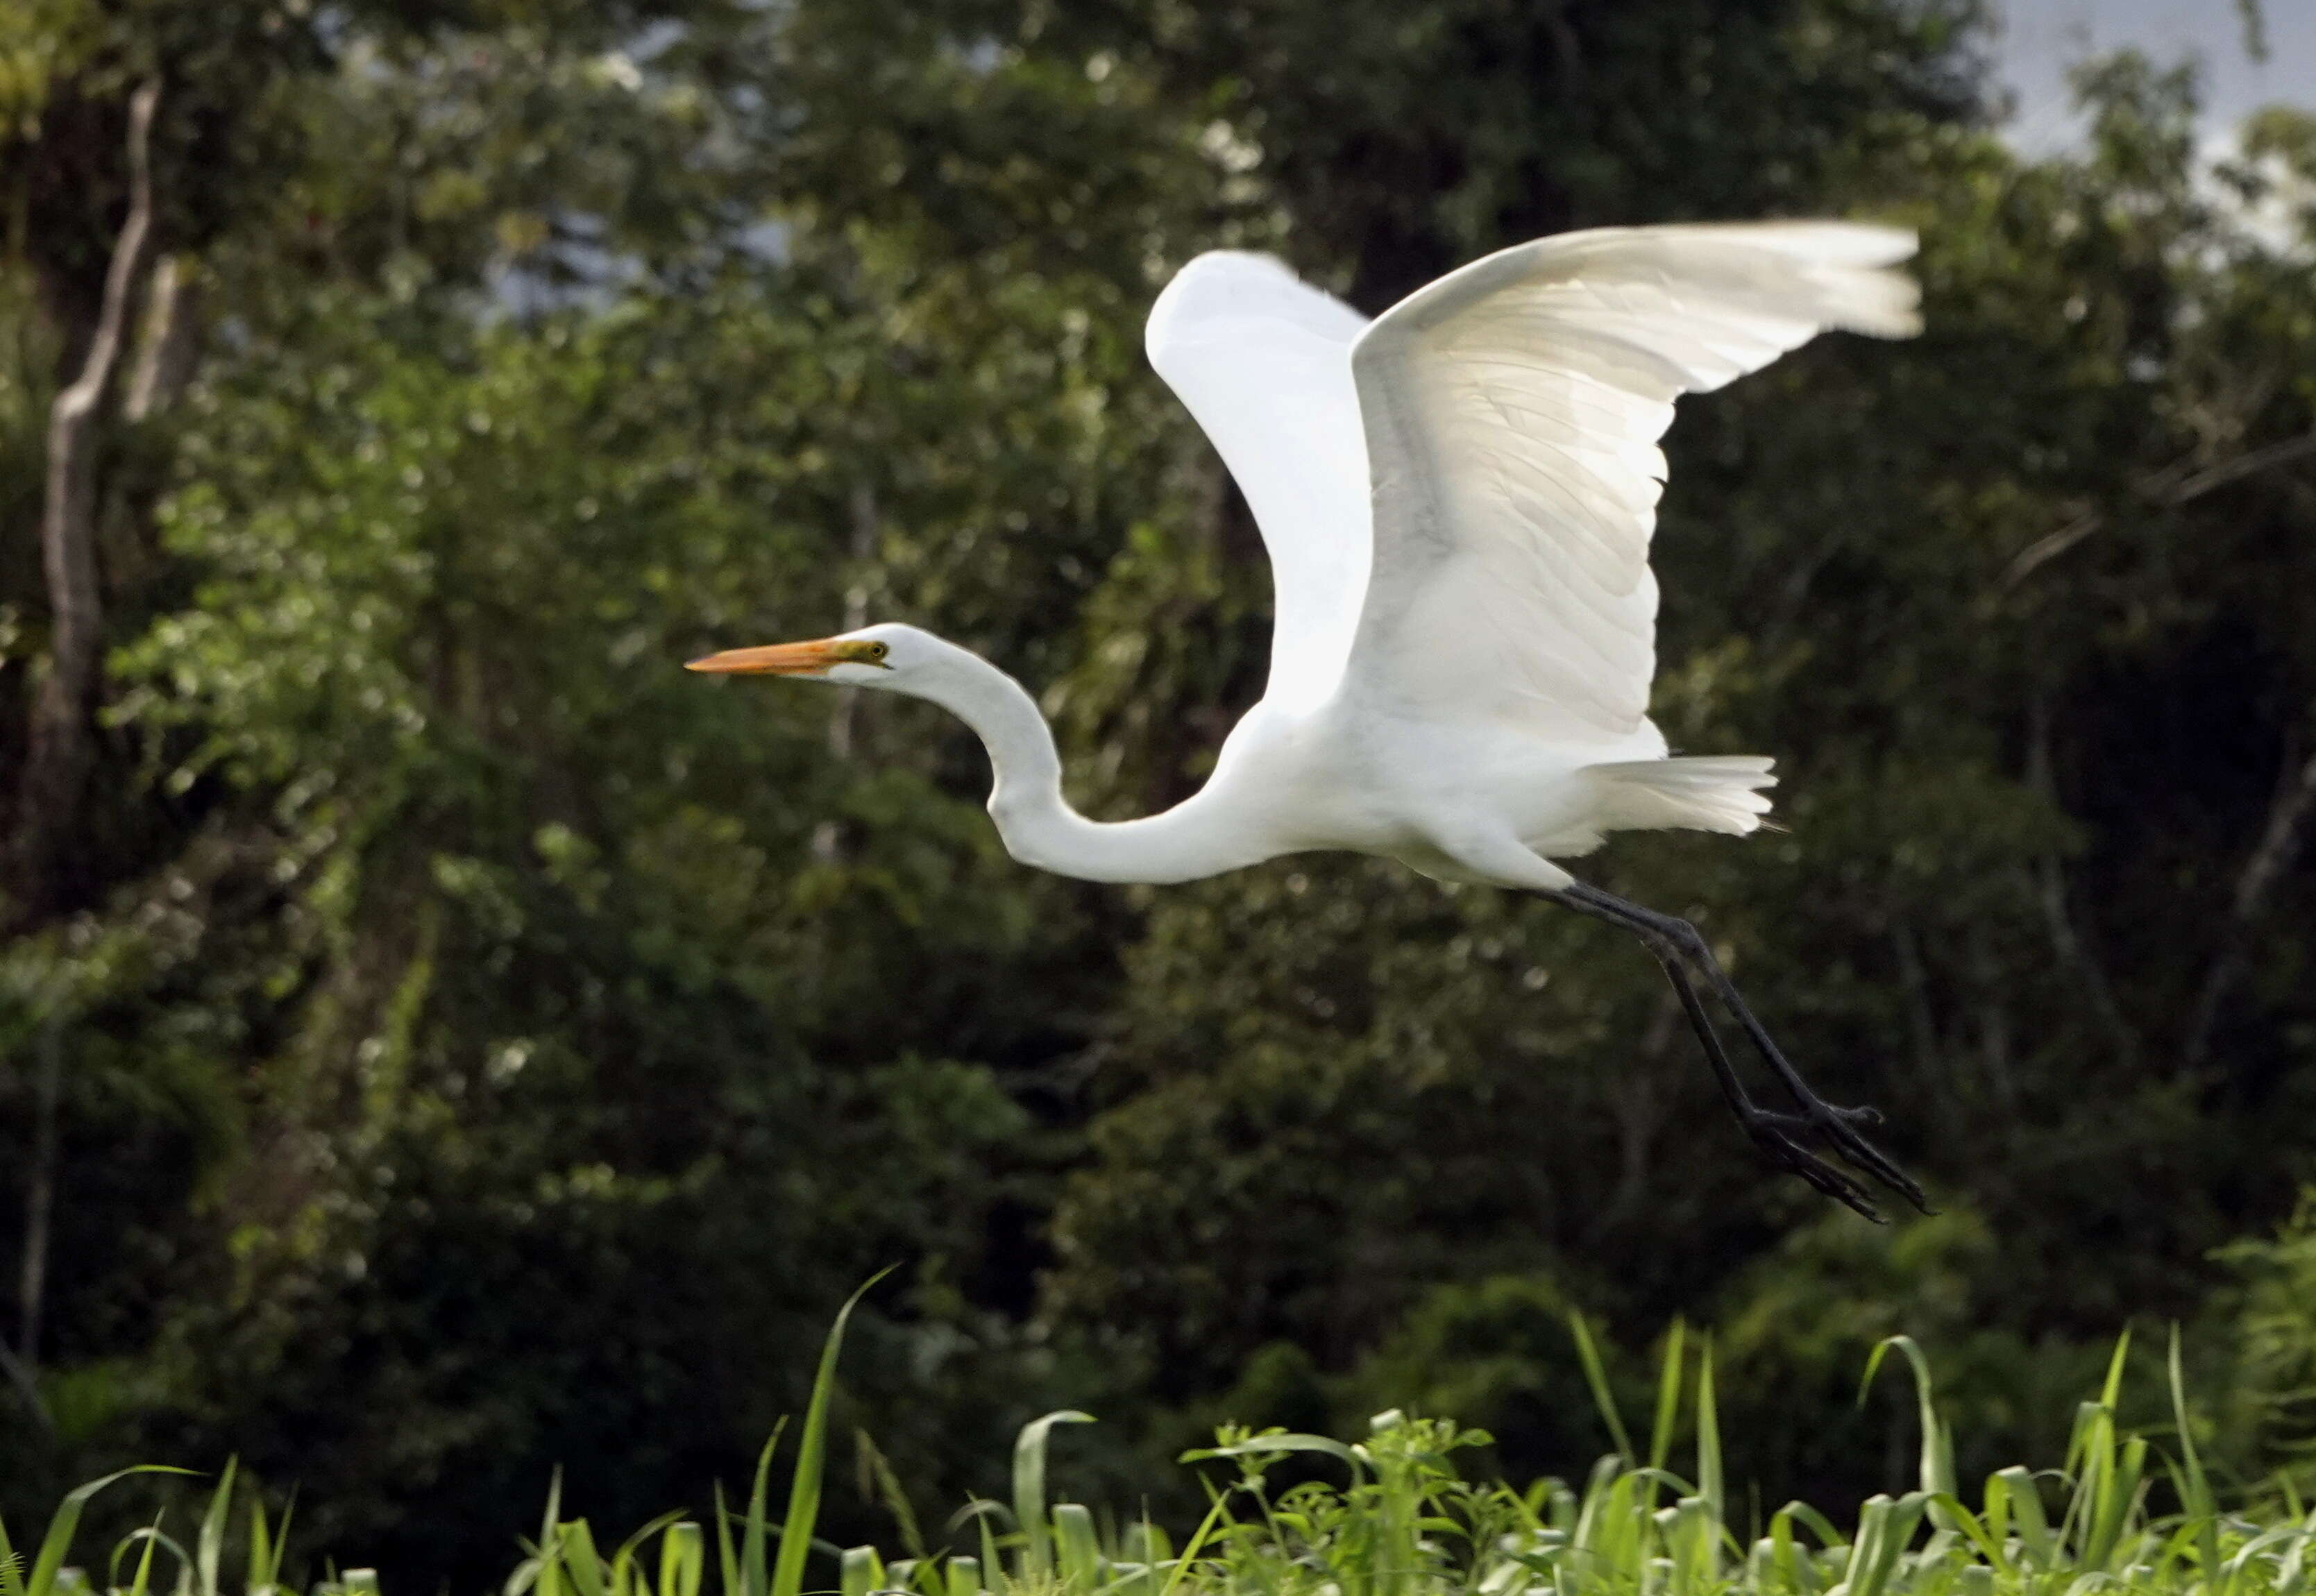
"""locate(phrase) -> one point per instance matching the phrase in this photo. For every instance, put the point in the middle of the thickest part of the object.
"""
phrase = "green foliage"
(2270, 1419)
(1397, 1515)
(2010, 700)
(485, 1043)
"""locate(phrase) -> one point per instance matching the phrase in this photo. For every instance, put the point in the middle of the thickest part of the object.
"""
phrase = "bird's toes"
(1868, 1159)
(1772, 1133)
(1833, 1183)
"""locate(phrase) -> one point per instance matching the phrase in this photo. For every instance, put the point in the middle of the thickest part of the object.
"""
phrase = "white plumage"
(1458, 500)
(1512, 411)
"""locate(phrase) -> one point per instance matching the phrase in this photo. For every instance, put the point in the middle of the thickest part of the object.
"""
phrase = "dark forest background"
(439, 1040)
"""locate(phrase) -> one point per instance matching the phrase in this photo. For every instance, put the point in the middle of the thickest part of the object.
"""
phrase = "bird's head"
(897, 658)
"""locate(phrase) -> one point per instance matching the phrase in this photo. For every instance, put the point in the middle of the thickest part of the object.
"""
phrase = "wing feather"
(1512, 412)
(1264, 361)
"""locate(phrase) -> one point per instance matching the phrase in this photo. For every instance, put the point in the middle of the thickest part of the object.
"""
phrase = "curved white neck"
(1192, 839)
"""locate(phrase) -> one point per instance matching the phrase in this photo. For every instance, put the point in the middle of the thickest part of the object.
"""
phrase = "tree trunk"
(22, 1367)
(39, 1196)
(63, 745)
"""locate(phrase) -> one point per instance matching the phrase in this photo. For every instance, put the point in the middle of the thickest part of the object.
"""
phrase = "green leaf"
(67, 1520)
(1077, 1550)
(812, 1447)
(727, 1561)
(1284, 1442)
(1710, 1485)
(209, 1548)
(1597, 1378)
(683, 1555)
(1936, 1470)
(1029, 1488)
(1669, 1379)
(755, 1529)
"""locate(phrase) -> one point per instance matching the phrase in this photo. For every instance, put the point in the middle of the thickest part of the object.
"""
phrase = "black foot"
(1836, 1128)
(1779, 1137)
(1786, 1138)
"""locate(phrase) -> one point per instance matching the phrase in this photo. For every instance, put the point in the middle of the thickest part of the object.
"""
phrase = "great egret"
(1457, 499)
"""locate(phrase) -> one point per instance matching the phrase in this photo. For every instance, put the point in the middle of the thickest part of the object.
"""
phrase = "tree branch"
(27, 1387)
(2279, 841)
(2168, 489)
(2050, 883)
(164, 350)
(62, 740)
(2051, 888)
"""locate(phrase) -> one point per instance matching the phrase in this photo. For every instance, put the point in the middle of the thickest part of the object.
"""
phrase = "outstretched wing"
(1263, 360)
(1512, 411)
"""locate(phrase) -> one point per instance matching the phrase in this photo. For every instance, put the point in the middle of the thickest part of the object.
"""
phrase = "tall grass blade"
(259, 1578)
(625, 1578)
(66, 1522)
(859, 1571)
(1596, 1377)
(727, 1559)
(1195, 1544)
(280, 1552)
(1818, 1524)
(575, 1548)
(2195, 1497)
(812, 1450)
(1404, 1524)
(1973, 1529)
(2022, 1500)
(1710, 1485)
(209, 1548)
(1077, 1550)
(682, 1559)
(990, 1561)
(754, 1529)
(1883, 1529)
(2111, 1393)
(548, 1580)
(1783, 1556)
(151, 1536)
(2105, 1471)
(1029, 1489)
(1669, 1379)
(2118, 1497)
(1260, 1446)
(1936, 1473)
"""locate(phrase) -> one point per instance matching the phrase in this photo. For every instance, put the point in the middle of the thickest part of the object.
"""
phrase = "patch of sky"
(2251, 53)
(2247, 54)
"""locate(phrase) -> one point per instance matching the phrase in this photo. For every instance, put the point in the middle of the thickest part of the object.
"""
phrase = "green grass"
(1392, 1518)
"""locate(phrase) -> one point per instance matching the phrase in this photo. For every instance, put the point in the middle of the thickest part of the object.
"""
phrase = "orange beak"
(782, 659)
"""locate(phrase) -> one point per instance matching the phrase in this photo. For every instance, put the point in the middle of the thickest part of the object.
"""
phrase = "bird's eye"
(877, 651)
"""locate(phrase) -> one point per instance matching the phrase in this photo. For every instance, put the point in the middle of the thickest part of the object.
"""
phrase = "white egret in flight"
(1457, 499)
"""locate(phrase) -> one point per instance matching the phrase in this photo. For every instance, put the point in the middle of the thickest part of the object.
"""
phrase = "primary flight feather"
(1457, 499)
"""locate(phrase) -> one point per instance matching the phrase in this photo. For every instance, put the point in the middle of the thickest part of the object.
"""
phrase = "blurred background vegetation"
(439, 1040)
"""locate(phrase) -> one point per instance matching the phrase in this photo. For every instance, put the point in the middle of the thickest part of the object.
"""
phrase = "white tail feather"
(1714, 792)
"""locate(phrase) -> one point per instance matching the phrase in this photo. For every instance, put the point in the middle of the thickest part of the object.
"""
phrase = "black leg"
(1676, 944)
(1774, 1134)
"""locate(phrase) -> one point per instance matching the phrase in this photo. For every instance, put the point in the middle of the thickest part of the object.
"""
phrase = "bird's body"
(1457, 499)
(1333, 777)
